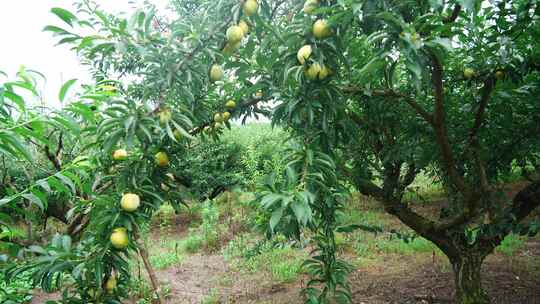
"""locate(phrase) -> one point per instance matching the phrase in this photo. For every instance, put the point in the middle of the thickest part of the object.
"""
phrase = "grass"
(424, 189)
(369, 247)
(282, 264)
(192, 243)
(398, 246)
(165, 260)
(511, 244)
(212, 298)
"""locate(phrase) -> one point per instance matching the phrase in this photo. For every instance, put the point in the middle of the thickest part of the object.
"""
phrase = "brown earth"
(391, 279)
(386, 279)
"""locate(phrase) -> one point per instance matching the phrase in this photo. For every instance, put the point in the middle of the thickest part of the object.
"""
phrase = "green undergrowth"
(511, 244)
(274, 258)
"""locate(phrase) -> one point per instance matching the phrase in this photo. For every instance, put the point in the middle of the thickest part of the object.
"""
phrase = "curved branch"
(454, 15)
(390, 93)
(489, 85)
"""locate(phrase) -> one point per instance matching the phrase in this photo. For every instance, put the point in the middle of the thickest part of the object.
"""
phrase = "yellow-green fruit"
(230, 104)
(304, 53)
(120, 154)
(230, 48)
(217, 125)
(218, 118)
(259, 94)
(108, 88)
(162, 159)
(110, 285)
(468, 73)
(207, 130)
(250, 7)
(499, 74)
(244, 26)
(234, 34)
(170, 176)
(313, 71)
(226, 116)
(414, 37)
(321, 29)
(119, 238)
(216, 73)
(130, 202)
(177, 135)
(324, 72)
(165, 116)
(310, 6)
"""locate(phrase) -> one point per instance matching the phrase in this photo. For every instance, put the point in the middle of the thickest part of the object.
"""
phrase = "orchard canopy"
(371, 96)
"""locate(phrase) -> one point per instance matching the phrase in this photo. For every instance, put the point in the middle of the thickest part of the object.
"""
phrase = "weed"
(18, 290)
(193, 243)
(511, 244)
(398, 246)
(283, 264)
(164, 260)
(212, 298)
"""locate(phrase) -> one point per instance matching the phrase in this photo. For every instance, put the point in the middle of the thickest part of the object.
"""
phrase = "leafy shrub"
(511, 244)
(208, 166)
(263, 147)
(192, 243)
(15, 291)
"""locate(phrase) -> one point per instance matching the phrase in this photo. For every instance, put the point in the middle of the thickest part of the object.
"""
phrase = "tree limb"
(441, 132)
(489, 85)
(391, 93)
(454, 15)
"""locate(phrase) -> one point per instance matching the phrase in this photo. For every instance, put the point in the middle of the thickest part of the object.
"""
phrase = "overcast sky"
(22, 41)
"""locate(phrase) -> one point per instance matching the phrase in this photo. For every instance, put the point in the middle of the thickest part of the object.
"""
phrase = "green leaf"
(63, 14)
(34, 199)
(66, 181)
(270, 199)
(276, 217)
(65, 88)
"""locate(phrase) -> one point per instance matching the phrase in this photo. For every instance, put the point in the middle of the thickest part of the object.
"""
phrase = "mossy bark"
(467, 271)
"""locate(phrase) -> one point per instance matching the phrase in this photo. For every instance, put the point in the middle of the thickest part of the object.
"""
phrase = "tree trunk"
(467, 267)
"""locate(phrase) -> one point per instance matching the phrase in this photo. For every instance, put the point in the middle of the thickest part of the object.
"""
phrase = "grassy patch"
(369, 247)
(398, 246)
(165, 260)
(212, 298)
(283, 264)
(424, 189)
(192, 244)
(511, 244)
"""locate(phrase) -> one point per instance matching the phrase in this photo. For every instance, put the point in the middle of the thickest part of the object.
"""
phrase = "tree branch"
(390, 93)
(489, 85)
(417, 222)
(441, 132)
(454, 15)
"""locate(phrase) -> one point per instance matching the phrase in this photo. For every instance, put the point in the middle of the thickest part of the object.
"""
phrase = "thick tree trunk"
(467, 267)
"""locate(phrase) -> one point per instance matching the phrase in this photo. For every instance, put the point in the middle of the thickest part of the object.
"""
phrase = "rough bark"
(467, 277)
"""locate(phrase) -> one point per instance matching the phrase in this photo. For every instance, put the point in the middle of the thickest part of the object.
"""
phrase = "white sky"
(22, 41)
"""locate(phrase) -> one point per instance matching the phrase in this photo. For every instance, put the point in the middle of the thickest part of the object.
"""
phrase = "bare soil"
(392, 279)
